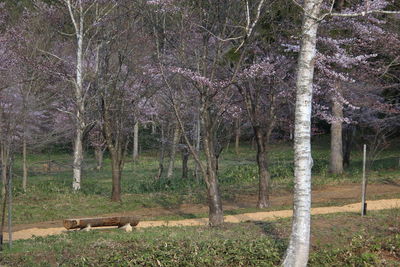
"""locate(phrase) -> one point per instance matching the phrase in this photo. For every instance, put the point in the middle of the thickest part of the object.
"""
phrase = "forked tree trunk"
(299, 245)
(117, 155)
(263, 172)
(336, 157)
(117, 147)
(171, 165)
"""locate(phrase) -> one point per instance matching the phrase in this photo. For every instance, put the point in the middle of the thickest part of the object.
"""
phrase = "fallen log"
(99, 222)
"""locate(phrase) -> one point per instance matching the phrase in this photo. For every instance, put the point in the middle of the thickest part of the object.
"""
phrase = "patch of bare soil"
(342, 193)
(337, 193)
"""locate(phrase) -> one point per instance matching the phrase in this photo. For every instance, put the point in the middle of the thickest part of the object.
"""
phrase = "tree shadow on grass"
(174, 207)
(277, 234)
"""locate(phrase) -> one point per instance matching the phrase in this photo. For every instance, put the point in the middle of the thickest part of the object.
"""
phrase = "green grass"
(49, 195)
(337, 240)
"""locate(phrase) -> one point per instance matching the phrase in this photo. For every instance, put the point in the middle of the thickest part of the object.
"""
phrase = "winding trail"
(256, 216)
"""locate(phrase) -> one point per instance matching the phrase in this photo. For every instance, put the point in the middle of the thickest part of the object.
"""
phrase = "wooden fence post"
(364, 184)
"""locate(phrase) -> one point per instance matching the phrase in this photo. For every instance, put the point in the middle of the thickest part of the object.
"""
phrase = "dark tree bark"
(161, 154)
(348, 136)
(216, 215)
(185, 159)
(263, 173)
(116, 177)
(262, 119)
(237, 135)
(117, 146)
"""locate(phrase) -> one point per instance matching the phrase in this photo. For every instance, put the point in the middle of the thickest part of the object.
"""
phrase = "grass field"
(49, 195)
(337, 240)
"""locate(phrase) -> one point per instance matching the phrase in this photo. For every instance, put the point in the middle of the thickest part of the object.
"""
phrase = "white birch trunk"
(79, 99)
(298, 250)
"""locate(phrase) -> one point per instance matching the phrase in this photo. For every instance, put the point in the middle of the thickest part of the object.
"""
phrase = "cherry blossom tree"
(264, 87)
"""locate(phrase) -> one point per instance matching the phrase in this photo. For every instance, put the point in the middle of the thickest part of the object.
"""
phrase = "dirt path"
(339, 194)
(256, 216)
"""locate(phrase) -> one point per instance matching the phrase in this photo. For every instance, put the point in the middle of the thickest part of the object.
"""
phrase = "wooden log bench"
(124, 223)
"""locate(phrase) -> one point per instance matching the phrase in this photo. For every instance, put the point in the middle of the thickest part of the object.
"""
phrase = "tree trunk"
(117, 147)
(299, 245)
(116, 177)
(98, 154)
(336, 157)
(80, 108)
(216, 215)
(263, 173)
(237, 135)
(197, 146)
(78, 157)
(161, 156)
(24, 165)
(175, 141)
(4, 166)
(135, 153)
(348, 136)
(153, 126)
(253, 143)
(185, 159)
